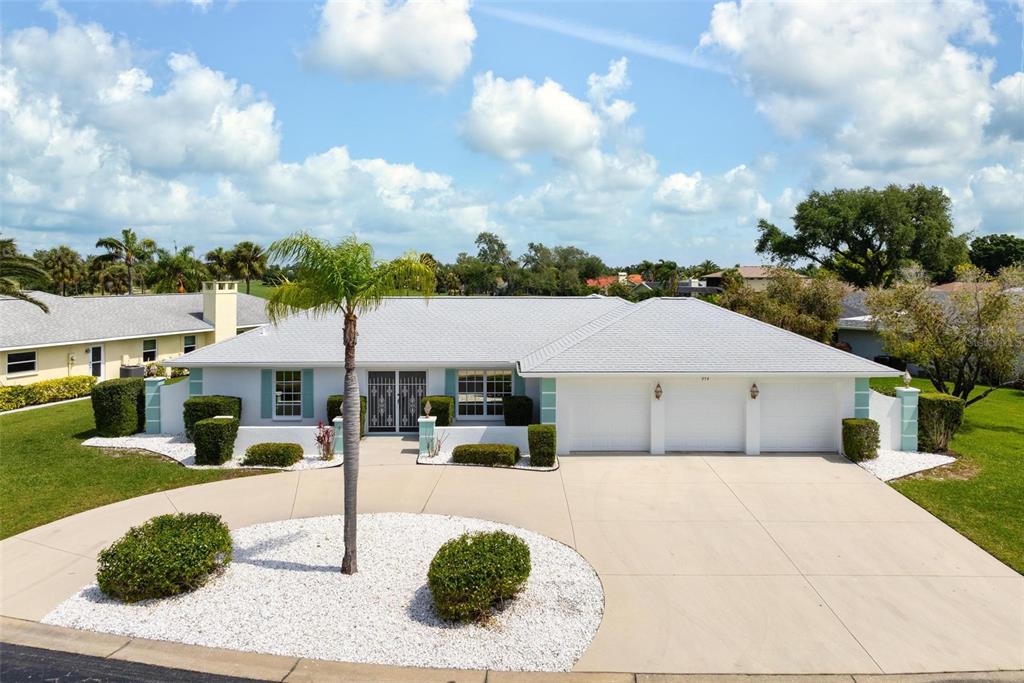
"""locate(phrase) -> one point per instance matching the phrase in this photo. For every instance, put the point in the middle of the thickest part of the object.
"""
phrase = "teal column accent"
(547, 400)
(862, 398)
(426, 425)
(152, 400)
(195, 382)
(908, 417)
(308, 409)
(339, 438)
(266, 394)
(518, 383)
(451, 384)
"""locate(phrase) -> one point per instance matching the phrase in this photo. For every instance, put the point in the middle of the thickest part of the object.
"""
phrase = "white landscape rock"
(178, 447)
(891, 465)
(284, 594)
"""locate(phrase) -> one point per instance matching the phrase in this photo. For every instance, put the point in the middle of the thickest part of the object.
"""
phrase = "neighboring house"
(95, 335)
(696, 287)
(666, 374)
(603, 282)
(755, 277)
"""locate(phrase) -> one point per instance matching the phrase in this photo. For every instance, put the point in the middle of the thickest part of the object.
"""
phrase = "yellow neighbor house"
(96, 335)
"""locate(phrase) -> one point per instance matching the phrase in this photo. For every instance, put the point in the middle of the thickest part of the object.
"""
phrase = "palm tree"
(127, 248)
(64, 265)
(218, 262)
(248, 260)
(344, 278)
(178, 272)
(15, 270)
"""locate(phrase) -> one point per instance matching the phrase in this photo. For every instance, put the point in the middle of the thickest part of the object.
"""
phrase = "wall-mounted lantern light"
(657, 391)
(754, 391)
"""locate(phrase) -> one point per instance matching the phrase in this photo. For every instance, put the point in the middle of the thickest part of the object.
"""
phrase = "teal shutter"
(195, 382)
(518, 383)
(266, 394)
(307, 393)
(450, 382)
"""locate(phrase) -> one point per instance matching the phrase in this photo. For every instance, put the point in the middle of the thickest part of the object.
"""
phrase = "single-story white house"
(666, 374)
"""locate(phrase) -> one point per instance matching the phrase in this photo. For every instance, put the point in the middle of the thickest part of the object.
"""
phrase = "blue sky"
(416, 126)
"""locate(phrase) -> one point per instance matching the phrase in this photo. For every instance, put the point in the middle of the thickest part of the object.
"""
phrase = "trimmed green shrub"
(201, 407)
(167, 555)
(273, 454)
(335, 403)
(442, 407)
(518, 410)
(939, 416)
(214, 438)
(119, 406)
(472, 573)
(542, 445)
(860, 439)
(47, 391)
(490, 454)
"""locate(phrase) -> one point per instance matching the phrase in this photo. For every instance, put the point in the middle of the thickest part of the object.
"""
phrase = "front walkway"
(714, 563)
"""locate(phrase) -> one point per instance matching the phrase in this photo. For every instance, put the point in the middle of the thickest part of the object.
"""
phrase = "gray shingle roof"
(545, 335)
(684, 335)
(442, 330)
(92, 318)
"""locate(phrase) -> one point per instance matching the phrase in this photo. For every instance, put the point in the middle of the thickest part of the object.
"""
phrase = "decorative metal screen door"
(381, 400)
(412, 387)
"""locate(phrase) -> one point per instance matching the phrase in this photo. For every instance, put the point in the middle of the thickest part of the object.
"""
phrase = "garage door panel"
(798, 417)
(609, 416)
(705, 417)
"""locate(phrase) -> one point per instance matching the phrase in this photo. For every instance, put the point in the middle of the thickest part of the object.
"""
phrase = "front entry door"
(94, 356)
(394, 400)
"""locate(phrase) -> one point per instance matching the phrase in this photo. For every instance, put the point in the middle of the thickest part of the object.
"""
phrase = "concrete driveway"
(710, 563)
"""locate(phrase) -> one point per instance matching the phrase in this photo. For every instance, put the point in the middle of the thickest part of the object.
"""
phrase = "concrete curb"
(292, 669)
(44, 405)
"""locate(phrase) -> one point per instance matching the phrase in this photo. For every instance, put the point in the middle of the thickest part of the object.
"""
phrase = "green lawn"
(46, 473)
(258, 289)
(981, 495)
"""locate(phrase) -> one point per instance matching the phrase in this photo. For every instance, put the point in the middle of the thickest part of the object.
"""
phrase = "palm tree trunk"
(128, 262)
(350, 436)
(248, 292)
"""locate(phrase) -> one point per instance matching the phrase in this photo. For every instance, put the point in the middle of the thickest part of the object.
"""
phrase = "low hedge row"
(335, 405)
(47, 391)
(860, 439)
(441, 407)
(939, 416)
(202, 407)
(518, 410)
(119, 406)
(272, 454)
(491, 454)
(167, 555)
(473, 572)
(214, 439)
(542, 445)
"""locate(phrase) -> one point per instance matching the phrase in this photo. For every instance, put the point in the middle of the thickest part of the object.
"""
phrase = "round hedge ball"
(167, 555)
(472, 573)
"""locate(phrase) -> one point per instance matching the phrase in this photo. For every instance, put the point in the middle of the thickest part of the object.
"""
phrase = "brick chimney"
(220, 308)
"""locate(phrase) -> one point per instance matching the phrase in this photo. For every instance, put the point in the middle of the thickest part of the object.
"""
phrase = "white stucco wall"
(887, 412)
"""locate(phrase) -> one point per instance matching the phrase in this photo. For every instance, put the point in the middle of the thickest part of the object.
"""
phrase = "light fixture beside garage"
(657, 391)
(754, 391)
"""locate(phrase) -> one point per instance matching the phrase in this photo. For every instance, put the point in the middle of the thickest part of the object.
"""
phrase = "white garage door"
(608, 415)
(798, 417)
(705, 416)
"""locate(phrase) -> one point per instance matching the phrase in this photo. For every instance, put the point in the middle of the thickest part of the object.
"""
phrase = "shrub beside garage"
(860, 439)
(542, 445)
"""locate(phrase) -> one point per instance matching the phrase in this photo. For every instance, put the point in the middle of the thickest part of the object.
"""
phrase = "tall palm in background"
(248, 261)
(178, 271)
(218, 262)
(15, 270)
(128, 249)
(65, 267)
(344, 278)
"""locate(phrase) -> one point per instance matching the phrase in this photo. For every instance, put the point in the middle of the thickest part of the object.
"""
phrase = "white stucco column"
(753, 441)
(657, 423)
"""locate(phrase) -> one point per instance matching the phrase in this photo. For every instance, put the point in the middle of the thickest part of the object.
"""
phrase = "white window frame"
(25, 371)
(156, 346)
(492, 406)
(185, 344)
(293, 402)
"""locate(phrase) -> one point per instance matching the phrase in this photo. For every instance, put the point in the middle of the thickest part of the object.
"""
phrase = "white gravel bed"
(523, 463)
(284, 594)
(179, 448)
(891, 465)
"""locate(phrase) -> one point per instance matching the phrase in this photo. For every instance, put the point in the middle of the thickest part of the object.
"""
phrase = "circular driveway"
(710, 563)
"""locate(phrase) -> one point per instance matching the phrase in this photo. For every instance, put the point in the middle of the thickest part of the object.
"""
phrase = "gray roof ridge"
(792, 334)
(581, 333)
